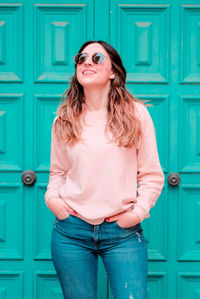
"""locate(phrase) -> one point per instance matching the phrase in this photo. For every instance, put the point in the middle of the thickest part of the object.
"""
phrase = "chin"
(91, 84)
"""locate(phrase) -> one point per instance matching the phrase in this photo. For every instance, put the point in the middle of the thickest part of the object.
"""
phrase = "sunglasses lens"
(80, 58)
(98, 58)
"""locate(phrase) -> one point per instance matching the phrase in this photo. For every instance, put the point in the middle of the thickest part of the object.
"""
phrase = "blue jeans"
(75, 246)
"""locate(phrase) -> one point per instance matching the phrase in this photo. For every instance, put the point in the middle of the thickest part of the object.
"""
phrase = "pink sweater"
(98, 179)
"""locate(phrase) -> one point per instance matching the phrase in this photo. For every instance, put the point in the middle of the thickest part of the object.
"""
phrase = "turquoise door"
(159, 43)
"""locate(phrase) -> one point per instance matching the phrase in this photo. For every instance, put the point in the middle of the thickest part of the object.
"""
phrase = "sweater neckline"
(96, 117)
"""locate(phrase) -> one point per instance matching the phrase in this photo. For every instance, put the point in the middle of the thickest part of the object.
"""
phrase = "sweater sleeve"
(59, 166)
(150, 176)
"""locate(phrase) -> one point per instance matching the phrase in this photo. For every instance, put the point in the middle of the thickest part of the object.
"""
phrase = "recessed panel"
(46, 285)
(189, 136)
(11, 131)
(142, 37)
(43, 225)
(11, 284)
(190, 44)
(189, 223)
(11, 221)
(46, 107)
(189, 285)
(155, 229)
(11, 46)
(60, 31)
(157, 285)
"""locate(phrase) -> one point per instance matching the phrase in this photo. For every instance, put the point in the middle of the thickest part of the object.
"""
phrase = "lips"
(88, 72)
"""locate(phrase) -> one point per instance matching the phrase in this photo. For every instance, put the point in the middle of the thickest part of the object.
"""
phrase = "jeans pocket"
(64, 219)
(61, 224)
(136, 227)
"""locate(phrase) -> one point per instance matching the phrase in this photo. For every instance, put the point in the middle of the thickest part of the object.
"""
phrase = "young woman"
(103, 144)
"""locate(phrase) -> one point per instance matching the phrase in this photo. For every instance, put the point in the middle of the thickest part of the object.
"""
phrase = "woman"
(103, 144)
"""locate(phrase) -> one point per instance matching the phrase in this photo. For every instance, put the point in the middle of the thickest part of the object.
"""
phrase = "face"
(90, 74)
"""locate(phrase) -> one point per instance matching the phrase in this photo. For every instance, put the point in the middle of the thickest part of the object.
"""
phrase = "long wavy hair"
(122, 122)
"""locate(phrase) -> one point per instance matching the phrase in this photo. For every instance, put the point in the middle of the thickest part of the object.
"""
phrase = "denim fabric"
(75, 247)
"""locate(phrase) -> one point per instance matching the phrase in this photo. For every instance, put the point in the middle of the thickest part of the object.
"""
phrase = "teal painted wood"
(159, 45)
(157, 42)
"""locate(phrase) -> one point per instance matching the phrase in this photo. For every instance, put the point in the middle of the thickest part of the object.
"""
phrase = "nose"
(88, 60)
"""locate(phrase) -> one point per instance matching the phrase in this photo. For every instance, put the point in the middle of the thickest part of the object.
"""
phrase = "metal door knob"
(29, 177)
(173, 179)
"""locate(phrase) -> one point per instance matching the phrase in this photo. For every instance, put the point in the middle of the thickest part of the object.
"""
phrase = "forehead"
(94, 47)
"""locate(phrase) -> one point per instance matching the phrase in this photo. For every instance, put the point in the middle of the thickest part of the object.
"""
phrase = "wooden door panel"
(11, 284)
(189, 124)
(60, 28)
(11, 131)
(190, 51)
(11, 32)
(188, 285)
(11, 221)
(144, 31)
(189, 223)
(159, 45)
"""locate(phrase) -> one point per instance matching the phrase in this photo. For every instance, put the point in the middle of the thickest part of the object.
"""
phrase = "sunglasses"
(97, 58)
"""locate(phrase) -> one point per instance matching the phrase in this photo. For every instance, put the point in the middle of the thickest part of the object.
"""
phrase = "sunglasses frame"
(86, 56)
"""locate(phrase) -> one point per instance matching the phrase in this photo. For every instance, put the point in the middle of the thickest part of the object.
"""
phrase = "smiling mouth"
(88, 73)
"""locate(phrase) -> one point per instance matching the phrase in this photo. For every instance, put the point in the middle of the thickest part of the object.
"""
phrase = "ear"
(112, 75)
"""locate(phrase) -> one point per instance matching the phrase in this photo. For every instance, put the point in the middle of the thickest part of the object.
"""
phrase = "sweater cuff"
(140, 213)
(49, 195)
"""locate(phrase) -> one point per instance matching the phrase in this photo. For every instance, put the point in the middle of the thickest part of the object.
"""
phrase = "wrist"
(50, 200)
(137, 217)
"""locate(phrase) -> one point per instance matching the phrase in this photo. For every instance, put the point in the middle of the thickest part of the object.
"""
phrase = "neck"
(96, 98)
